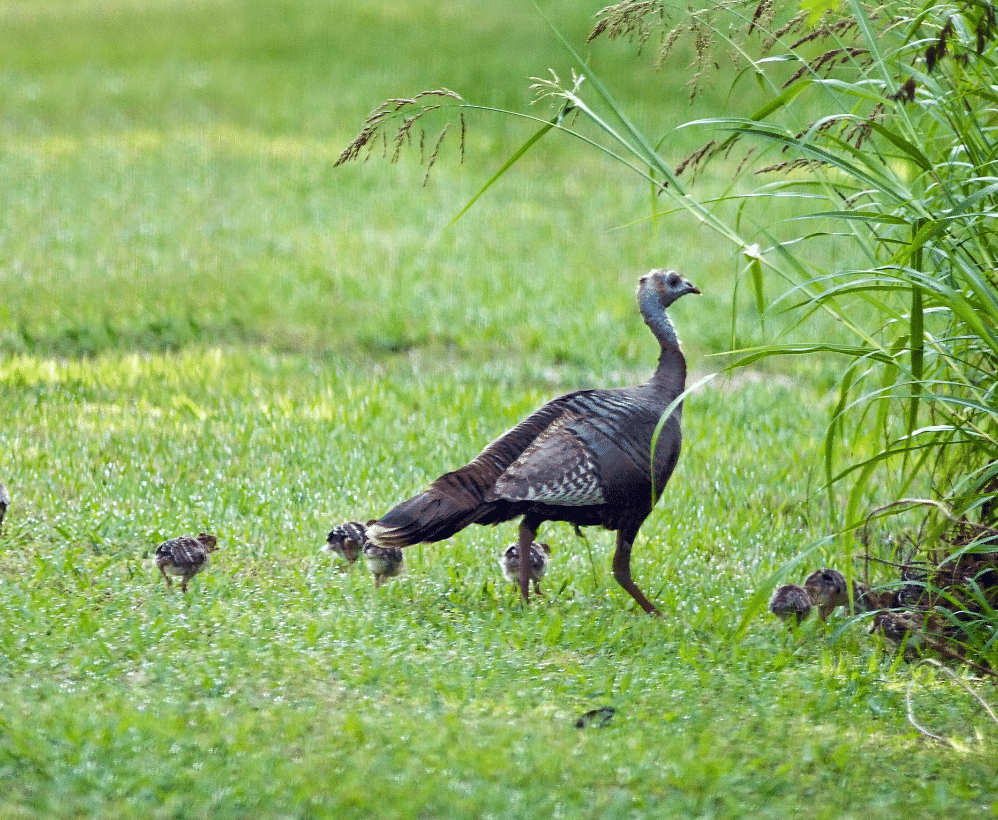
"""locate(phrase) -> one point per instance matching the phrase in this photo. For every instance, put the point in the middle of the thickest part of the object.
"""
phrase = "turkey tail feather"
(457, 499)
(429, 516)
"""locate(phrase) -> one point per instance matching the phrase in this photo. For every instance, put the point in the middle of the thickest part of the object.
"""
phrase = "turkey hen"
(584, 458)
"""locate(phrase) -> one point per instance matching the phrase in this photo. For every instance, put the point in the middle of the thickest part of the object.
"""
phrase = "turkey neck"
(670, 375)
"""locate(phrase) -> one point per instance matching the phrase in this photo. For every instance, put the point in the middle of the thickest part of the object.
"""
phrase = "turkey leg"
(622, 571)
(528, 532)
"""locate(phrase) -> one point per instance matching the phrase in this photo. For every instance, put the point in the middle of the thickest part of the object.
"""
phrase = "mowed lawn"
(204, 326)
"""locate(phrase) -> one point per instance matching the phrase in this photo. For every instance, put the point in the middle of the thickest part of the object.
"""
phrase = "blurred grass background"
(170, 182)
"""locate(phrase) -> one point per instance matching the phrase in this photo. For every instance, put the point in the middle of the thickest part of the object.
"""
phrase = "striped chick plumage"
(382, 562)
(185, 556)
(347, 540)
(790, 602)
(828, 590)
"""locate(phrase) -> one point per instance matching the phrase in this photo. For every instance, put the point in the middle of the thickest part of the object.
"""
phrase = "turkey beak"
(693, 288)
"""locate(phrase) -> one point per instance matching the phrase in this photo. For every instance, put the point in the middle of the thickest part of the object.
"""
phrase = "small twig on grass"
(876, 560)
(911, 711)
(911, 716)
(971, 692)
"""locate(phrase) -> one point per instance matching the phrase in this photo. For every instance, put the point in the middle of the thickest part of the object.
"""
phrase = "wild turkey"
(584, 458)
(185, 556)
(596, 718)
(347, 540)
(790, 601)
(382, 562)
(828, 590)
(867, 599)
(4, 504)
(919, 631)
(540, 555)
(907, 629)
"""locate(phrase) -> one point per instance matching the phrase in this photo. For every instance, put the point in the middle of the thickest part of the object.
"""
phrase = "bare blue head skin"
(657, 290)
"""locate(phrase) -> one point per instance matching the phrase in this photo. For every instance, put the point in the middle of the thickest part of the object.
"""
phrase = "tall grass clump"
(854, 174)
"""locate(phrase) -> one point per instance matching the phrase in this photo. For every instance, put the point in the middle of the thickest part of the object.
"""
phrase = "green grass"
(204, 326)
(280, 686)
(171, 182)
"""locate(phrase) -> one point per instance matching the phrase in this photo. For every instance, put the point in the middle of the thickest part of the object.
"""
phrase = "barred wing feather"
(556, 468)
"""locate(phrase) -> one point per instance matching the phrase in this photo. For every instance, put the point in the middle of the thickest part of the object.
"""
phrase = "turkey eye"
(673, 281)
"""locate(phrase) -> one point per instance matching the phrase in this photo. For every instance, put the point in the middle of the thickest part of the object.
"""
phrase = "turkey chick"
(790, 601)
(866, 599)
(347, 540)
(4, 503)
(185, 556)
(540, 555)
(382, 562)
(828, 590)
